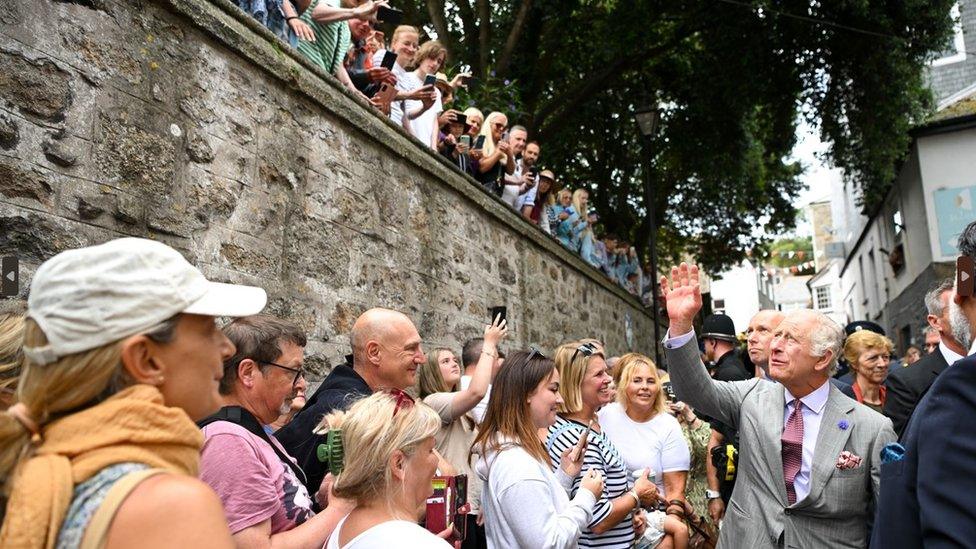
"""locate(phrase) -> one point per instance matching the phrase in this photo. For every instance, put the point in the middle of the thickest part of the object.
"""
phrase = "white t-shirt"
(394, 533)
(424, 126)
(656, 444)
(396, 110)
(478, 412)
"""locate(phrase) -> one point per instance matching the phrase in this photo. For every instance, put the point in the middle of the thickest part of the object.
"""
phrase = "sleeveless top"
(87, 498)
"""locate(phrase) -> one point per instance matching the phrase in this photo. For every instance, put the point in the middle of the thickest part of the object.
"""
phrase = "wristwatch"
(712, 494)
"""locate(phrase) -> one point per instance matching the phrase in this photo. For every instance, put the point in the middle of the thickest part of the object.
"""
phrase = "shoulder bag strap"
(240, 416)
(97, 531)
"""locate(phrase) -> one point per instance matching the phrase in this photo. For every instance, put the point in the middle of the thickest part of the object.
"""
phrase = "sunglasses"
(586, 349)
(298, 371)
(402, 399)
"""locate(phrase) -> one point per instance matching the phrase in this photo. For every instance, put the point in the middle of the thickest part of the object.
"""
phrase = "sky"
(817, 175)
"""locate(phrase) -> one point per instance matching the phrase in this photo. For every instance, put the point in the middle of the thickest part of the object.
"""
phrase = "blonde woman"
(649, 439)
(122, 356)
(11, 356)
(439, 379)
(525, 500)
(495, 159)
(388, 441)
(585, 388)
(404, 43)
(868, 354)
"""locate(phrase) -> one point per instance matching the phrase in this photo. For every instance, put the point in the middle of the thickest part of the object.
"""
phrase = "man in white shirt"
(809, 457)
(514, 182)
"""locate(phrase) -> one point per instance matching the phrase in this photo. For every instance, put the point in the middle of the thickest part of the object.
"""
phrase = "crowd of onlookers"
(133, 418)
(405, 80)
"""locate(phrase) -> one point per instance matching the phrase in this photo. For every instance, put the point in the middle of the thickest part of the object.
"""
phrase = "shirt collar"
(815, 401)
(948, 354)
(972, 348)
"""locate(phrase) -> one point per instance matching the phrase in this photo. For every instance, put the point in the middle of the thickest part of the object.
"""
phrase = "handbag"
(702, 534)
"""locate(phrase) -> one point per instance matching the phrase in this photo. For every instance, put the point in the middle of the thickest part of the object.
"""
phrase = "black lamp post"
(647, 117)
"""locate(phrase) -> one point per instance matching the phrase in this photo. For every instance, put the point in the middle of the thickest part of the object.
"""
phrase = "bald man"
(758, 336)
(386, 352)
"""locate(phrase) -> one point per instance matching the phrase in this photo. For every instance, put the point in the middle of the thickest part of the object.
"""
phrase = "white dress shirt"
(813, 407)
(950, 356)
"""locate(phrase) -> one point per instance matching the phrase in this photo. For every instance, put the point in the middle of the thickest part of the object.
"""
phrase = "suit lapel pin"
(842, 424)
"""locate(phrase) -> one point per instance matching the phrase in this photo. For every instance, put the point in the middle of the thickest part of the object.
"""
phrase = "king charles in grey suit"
(829, 443)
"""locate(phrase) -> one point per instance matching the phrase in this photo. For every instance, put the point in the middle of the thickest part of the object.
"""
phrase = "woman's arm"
(528, 510)
(148, 515)
(324, 13)
(312, 534)
(466, 399)
(510, 164)
(488, 162)
(674, 485)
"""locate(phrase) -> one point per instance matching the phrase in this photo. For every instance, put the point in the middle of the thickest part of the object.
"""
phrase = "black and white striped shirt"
(602, 456)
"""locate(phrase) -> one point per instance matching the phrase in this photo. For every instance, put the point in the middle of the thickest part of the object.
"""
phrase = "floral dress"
(697, 440)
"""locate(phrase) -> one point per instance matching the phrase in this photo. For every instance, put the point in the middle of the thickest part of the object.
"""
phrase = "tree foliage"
(733, 78)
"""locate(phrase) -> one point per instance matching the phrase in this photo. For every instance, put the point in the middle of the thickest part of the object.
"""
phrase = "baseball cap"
(548, 175)
(89, 297)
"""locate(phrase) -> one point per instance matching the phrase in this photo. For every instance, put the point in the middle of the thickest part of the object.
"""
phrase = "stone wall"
(184, 121)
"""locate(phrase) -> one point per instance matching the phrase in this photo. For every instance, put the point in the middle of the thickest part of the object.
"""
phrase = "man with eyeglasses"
(260, 485)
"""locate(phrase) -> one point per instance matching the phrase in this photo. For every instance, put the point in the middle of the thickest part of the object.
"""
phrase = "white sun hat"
(89, 297)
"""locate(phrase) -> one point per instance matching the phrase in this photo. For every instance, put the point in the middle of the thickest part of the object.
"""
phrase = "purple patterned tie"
(793, 449)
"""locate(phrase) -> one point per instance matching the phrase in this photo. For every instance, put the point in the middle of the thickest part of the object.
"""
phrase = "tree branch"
(513, 37)
(470, 33)
(436, 10)
(484, 34)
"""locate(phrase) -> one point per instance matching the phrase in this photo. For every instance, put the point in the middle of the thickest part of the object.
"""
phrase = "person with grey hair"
(260, 486)
(907, 386)
(517, 139)
(927, 480)
(809, 458)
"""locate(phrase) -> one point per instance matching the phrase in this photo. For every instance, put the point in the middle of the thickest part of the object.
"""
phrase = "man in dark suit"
(906, 386)
(926, 484)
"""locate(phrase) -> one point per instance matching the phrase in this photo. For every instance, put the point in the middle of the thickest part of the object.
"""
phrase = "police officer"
(718, 336)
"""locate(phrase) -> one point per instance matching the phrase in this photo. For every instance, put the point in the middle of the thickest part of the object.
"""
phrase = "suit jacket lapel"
(830, 442)
(773, 433)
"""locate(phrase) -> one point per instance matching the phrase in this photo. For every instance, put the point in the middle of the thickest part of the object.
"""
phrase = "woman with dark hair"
(525, 503)
(439, 379)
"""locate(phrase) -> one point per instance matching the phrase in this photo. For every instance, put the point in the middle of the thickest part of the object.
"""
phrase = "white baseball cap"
(89, 297)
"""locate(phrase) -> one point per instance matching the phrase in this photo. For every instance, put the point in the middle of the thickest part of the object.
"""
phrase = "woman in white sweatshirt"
(525, 503)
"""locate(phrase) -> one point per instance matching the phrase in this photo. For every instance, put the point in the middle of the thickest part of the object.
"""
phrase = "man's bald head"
(386, 349)
(759, 334)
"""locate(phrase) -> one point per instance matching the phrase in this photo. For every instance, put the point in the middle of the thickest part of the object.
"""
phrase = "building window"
(956, 50)
(822, 297)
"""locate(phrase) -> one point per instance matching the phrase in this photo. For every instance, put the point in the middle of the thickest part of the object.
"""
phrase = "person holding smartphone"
(496, 159)
(332, 36)
(423, 114)
(404, 44)
(525, 500)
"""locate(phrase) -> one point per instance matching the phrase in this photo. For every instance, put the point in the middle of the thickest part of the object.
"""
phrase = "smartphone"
(583, 441)
(964, 276)
(387, 93)
(389, 59)
(669, 392)
(534, 171)
(430, 80)
(494, 312)
(505, 136)
(479, 143)
(465, 140)
(389, 16)
(461, 119)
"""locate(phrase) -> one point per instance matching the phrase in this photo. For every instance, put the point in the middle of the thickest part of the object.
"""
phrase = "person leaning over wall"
(122, 355)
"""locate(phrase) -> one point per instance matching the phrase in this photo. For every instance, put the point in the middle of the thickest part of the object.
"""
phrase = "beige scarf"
(132, 426)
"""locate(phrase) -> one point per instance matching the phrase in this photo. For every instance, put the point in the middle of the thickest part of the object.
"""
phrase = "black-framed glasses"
(298, 371)
(587, 349)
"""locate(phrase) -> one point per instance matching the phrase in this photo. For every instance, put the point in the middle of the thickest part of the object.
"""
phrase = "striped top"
(602, 456)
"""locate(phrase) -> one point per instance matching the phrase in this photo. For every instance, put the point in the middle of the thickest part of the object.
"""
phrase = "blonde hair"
(49, 391)
(372, 430)
(564, 192)
(430, 380)
(403, 29)
(11, 349)
(489, 148)
(571, 374)
(623, 374)
(861, 341)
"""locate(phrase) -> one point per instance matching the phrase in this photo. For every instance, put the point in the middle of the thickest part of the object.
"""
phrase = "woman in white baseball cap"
(122, 355)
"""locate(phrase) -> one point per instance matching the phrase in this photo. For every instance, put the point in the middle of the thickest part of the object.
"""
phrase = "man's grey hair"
(929, 330)
(933, 299)
(518, 127)
(827, 336)
(967, 241)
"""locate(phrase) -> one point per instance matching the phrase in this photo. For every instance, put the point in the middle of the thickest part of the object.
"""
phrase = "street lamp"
(647, 116)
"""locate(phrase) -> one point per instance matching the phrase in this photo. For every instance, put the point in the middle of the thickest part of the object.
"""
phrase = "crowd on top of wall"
(402, 78)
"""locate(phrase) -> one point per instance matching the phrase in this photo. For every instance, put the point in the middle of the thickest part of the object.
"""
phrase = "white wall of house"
(736, 293)
(948, 168)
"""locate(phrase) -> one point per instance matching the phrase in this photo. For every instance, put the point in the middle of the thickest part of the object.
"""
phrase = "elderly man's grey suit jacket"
(837, 511)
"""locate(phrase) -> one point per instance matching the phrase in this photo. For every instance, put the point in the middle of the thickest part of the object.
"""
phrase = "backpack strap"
(240, 416)
(97, 531)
